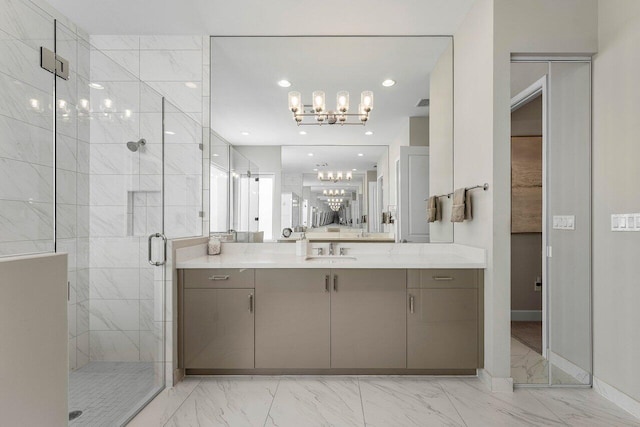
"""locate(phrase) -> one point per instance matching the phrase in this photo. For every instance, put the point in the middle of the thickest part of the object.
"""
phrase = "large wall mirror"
(356, 161)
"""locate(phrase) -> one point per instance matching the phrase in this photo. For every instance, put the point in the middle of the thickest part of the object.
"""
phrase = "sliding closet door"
(569, 222)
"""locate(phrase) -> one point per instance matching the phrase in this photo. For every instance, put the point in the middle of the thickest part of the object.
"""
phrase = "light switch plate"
(564, 222)
(625, 222)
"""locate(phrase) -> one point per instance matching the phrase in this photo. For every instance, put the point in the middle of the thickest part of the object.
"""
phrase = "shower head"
(135, 145)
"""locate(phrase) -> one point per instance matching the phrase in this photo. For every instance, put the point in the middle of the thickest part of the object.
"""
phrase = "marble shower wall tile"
(29, 143)
(107, 42)
(114, 315)
(26, 22)
(170, 65)
(115, 346)
(24, 222)
(170, 43)
(115, 283)
(114, 252)
(25, 181)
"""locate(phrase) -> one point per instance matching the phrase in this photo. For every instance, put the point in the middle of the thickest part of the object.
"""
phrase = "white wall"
(491, 32)
(615, 190)
(441, 142)
(473, 164)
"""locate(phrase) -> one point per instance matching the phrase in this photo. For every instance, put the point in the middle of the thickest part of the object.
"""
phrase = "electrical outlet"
(537, 285)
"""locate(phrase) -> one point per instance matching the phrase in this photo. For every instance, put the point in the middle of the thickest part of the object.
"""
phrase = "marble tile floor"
(108, 393)
(372, 401)
(529, 367)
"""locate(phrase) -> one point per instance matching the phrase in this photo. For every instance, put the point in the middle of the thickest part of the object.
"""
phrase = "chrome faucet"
(331, 248)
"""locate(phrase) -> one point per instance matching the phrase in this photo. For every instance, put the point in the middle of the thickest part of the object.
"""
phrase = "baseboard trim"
(526, 315)
(582, 376)
(617, 397)
(495, 384)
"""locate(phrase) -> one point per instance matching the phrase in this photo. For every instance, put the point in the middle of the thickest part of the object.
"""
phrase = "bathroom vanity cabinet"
(218, 319)
(331, 320)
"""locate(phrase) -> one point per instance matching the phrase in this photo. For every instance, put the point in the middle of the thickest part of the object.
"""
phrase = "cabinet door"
(218, 328)
(442, 329)
(368, 319)
(293, 318)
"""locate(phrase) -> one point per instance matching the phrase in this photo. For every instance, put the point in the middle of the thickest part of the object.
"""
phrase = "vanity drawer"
(222, 278)
(442, 278)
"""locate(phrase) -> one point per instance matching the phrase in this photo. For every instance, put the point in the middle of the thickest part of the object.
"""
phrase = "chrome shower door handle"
(164, 249)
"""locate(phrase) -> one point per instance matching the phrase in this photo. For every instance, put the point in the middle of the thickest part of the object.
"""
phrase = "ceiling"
(245, 96)
(259, 17)
(296, 159)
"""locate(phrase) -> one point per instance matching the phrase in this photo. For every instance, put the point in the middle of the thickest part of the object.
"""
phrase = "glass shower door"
(114, 123)
(26, 131)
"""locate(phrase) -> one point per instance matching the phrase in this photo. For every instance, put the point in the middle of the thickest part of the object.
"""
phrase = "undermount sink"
(330, 259)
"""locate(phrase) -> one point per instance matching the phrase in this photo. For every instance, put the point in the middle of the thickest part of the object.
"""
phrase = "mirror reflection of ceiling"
(296, 159)
(245, 96)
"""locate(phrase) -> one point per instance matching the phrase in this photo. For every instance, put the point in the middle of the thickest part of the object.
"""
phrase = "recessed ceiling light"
(284, 83)
(315, 169)
(96, 86)
(245, 133)
(310, 154)
(168, 132)
(302, 132)
(191, 85)
(368, 133)
(354, 169)
(360, 154)
(388, 83)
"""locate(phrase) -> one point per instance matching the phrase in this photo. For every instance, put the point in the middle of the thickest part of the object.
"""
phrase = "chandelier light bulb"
(349, 176)
(339, 176)
(342, 192)
(318, 101)
(366, 98)
(295, 101)
(330, 175)
(321, 178)
(343, 101)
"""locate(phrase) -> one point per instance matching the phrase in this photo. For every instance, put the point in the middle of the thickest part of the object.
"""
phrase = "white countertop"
(368, 256)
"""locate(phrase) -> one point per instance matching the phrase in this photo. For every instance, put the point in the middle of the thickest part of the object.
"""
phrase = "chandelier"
(340, 115)
(337, 177)
(334, 204)
(333, 192)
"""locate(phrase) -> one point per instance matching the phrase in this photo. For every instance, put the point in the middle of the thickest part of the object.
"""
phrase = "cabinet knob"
(411, 304)
(219, 278)
(335, 283)
(326, 283)
(251, 303)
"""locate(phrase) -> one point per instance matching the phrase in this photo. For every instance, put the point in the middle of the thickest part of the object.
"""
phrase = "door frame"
(540, 87)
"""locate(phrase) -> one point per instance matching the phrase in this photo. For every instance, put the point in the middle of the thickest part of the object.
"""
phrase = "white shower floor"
(108, 393)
